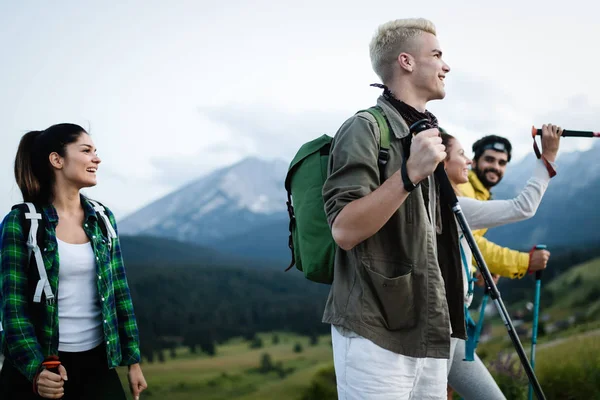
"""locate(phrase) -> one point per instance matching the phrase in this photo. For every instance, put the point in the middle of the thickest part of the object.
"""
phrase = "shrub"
(256, 343)
(510, 376)
(266, 364)
(323, 386)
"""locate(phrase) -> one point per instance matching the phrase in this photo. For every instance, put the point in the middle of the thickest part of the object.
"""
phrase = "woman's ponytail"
(27, 180)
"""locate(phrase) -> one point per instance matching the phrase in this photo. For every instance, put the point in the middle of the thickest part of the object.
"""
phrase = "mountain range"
(240, 210)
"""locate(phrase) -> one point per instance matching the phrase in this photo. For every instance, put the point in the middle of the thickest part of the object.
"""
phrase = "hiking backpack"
(310, 241)
(33, 222)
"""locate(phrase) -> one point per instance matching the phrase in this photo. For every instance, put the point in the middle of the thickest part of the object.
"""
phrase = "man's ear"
(56, 160)
(406, 62)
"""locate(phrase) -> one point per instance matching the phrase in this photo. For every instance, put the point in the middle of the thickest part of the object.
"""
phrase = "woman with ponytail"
(467, 374)
(85, 319)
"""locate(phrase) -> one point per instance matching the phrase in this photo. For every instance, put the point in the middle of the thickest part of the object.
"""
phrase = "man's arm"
(356, 206)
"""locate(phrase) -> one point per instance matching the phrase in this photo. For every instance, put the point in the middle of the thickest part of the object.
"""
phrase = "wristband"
(408, 185)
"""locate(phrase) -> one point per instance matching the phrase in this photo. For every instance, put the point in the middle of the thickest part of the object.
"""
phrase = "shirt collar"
(88, 211)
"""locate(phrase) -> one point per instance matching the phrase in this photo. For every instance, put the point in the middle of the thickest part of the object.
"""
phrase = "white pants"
(366, 371)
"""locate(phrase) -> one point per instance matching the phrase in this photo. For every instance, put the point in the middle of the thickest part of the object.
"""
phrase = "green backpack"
(310, 240)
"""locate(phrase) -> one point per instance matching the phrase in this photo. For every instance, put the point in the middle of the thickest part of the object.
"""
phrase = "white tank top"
(79, 312)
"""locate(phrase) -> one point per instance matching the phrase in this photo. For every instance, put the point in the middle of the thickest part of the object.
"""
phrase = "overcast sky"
(171, 90)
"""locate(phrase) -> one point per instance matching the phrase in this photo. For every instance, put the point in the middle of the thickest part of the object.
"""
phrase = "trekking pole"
(448, 196)
(479, 326)
(567, 133)
(51, 362)
(536, 310)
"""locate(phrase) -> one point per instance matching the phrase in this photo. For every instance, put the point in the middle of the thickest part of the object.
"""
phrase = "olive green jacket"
(402, 287)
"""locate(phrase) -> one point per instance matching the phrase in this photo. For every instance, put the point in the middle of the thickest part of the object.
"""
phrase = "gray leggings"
(471, 379)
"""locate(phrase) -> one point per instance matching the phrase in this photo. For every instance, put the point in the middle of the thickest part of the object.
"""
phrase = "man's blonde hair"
(393, 38)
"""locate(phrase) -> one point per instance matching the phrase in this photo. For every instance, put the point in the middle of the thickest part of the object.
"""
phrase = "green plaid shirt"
(25, 345)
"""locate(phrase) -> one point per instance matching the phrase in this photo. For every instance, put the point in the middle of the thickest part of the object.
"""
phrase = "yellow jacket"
(500, 260)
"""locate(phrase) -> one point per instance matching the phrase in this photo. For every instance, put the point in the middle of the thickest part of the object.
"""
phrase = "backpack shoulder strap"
(384, 138)
(384, 126)
(32, 219)
(105, 224)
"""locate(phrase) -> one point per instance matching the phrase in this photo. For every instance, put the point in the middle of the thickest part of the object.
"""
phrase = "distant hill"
(212, 304)
(205, 296)
(151, 249)
(143, 250)
(268, 241)
(577, 288)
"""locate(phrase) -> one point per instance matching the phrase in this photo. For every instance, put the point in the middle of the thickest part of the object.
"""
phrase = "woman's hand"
(481, 282)
(51, 385)
(550, 141)
(137, 383)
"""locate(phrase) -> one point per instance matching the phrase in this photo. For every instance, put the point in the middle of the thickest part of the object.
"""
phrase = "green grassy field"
(565, 367)
(233, 372)
(566, 360)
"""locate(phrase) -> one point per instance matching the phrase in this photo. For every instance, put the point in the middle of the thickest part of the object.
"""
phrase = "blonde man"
(396, 297)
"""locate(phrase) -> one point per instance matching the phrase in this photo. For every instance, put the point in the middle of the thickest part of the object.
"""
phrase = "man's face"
(429, 70)
(490, 167)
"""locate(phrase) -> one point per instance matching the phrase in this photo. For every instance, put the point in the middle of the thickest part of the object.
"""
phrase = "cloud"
(271, 132)
(176, 171)
(576, 113)
(475, 107)
(263, 131)
(472, 108)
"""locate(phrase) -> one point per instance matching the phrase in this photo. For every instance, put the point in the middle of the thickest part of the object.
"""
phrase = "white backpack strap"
(109, 228)
(43, 284)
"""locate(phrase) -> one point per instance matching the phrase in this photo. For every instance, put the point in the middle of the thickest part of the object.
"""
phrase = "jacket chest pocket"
(388, 294)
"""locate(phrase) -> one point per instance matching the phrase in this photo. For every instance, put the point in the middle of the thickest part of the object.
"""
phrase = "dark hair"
(446, 139)
(33, 172)
(492, 142)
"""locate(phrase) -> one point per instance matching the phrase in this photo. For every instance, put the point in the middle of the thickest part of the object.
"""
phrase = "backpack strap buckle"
(43, 285)
(110, 231)
(384, 156)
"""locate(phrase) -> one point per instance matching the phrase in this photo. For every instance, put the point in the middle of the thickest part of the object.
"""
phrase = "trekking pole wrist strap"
(533, 249)
(539, 155)
(409, 186)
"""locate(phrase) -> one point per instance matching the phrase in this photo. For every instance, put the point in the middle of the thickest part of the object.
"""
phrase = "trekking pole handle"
(538, 273)
(51, 364)
(568, 133)
(446, 191)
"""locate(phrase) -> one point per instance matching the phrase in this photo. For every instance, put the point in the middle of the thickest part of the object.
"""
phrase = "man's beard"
(482, 177)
